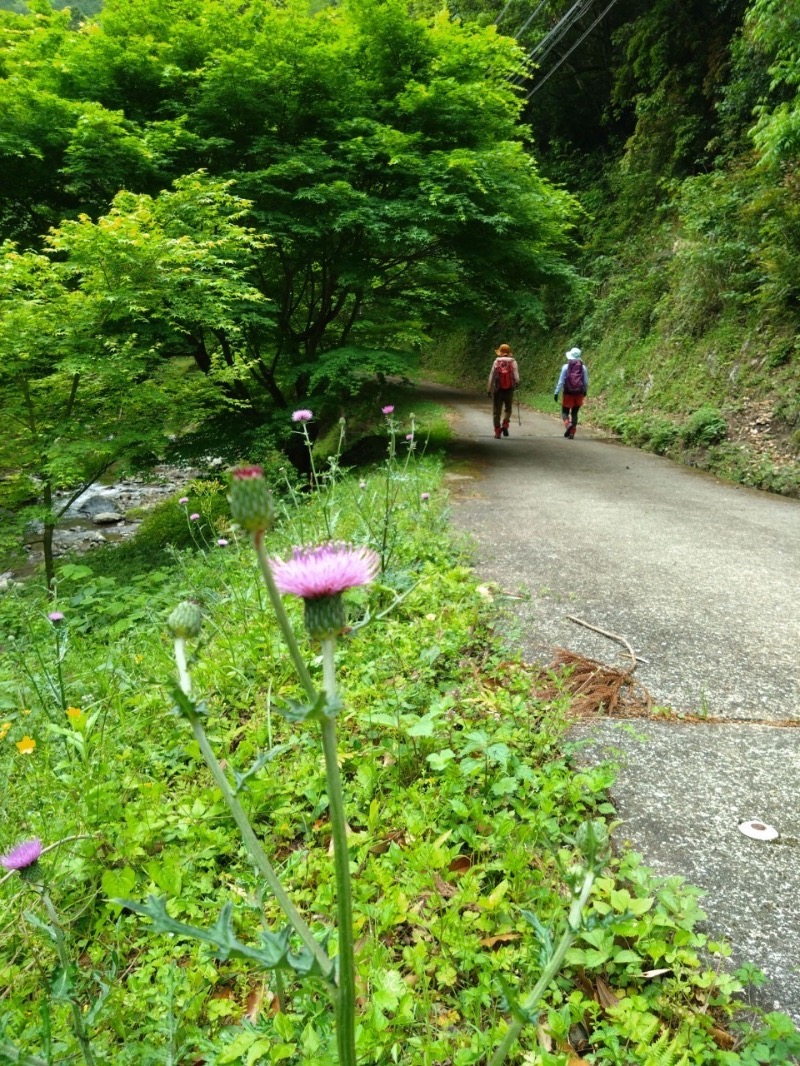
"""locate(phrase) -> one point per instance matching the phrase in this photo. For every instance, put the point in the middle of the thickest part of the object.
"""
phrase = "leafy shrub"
(705, 427)
(663, 435)
(645, 431)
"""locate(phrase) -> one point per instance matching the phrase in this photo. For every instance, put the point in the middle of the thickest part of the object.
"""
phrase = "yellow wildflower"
(74, 712)
(26, 745)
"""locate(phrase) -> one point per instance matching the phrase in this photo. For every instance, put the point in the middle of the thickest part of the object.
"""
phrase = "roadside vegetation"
(464, 804)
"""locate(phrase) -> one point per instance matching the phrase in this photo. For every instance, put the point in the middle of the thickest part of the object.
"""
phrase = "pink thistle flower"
(325, 570)
(319, 576)
(388, 409)
(56, 617)
(424, 495)
(23, 855)
(409, 436)
(194, 517)
(302, 415)
(183, 499)
(222, 542)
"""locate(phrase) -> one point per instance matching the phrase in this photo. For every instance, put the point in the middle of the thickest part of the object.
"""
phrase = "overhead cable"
(502, 14)
(551, 39)
(544, 47)
(561, 26)
(569, 52)
(528, 20)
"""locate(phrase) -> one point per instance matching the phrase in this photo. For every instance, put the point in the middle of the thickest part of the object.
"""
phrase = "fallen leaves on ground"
(597, 688)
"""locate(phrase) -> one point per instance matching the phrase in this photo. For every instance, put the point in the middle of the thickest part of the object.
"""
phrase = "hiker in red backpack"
(573, 384)
(503, 379)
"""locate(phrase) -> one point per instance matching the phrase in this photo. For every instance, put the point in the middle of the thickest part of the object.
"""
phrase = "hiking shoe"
(504, 431)
(497, 433)
(571, 432)
(568, 433)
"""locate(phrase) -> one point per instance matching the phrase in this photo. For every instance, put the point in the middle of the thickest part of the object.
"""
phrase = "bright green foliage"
(80, 390)
(774, 30)
(379, 154)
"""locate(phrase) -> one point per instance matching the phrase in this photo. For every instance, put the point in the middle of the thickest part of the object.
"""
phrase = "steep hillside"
(678, 128)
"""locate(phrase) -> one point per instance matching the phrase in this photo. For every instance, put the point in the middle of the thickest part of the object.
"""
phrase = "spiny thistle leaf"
(318, 711)
(263, 759)
(274, 952)
(512, 1004)
(185, 706)
(542, 935)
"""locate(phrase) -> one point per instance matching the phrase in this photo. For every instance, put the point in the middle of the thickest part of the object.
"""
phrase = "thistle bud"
(325, 616)
(250, 499)
(186, 620)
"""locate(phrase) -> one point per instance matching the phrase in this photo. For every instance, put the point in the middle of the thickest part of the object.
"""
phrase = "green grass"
(461, 795)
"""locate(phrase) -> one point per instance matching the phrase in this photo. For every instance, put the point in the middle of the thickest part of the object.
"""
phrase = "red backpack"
(503, 374)
(573, 382)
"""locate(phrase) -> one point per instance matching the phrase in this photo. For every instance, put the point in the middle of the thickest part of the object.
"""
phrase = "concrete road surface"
(702, 578)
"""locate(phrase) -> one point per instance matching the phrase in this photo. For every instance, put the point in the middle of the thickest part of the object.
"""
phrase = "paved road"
(703, 579)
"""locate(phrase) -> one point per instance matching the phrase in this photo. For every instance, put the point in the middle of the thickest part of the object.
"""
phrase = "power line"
(551, 39)
(569, 52)
(561, 27)
(528, 20)
(546, 45)
(501, 16)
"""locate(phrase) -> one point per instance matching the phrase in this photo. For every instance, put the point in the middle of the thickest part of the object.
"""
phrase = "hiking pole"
(519, 414)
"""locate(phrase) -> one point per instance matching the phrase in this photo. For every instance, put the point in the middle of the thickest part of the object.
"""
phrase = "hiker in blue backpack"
(573, 384)
(503, 379)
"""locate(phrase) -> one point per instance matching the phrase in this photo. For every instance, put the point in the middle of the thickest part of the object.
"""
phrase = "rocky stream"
(103, 514)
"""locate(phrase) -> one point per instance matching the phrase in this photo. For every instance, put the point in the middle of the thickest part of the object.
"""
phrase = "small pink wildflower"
(222, 542)
(409, 436)
(302, 415)
(389, 409)
(56, 617)
(183, 499)
(23, 855)
(325, 570)
(194, 517)
(424, 495)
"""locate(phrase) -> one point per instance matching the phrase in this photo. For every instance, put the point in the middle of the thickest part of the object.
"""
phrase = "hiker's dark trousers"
(570, 408)
(502, 400)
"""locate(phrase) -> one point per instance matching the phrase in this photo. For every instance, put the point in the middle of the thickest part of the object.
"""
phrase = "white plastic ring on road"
(759, 830)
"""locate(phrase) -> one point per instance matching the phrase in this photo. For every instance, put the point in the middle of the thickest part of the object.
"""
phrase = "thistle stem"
(243, 823)
(283, 618)
(63, 955)
(550, 971)
(346, 992)
(310, 449)
(60, 670)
